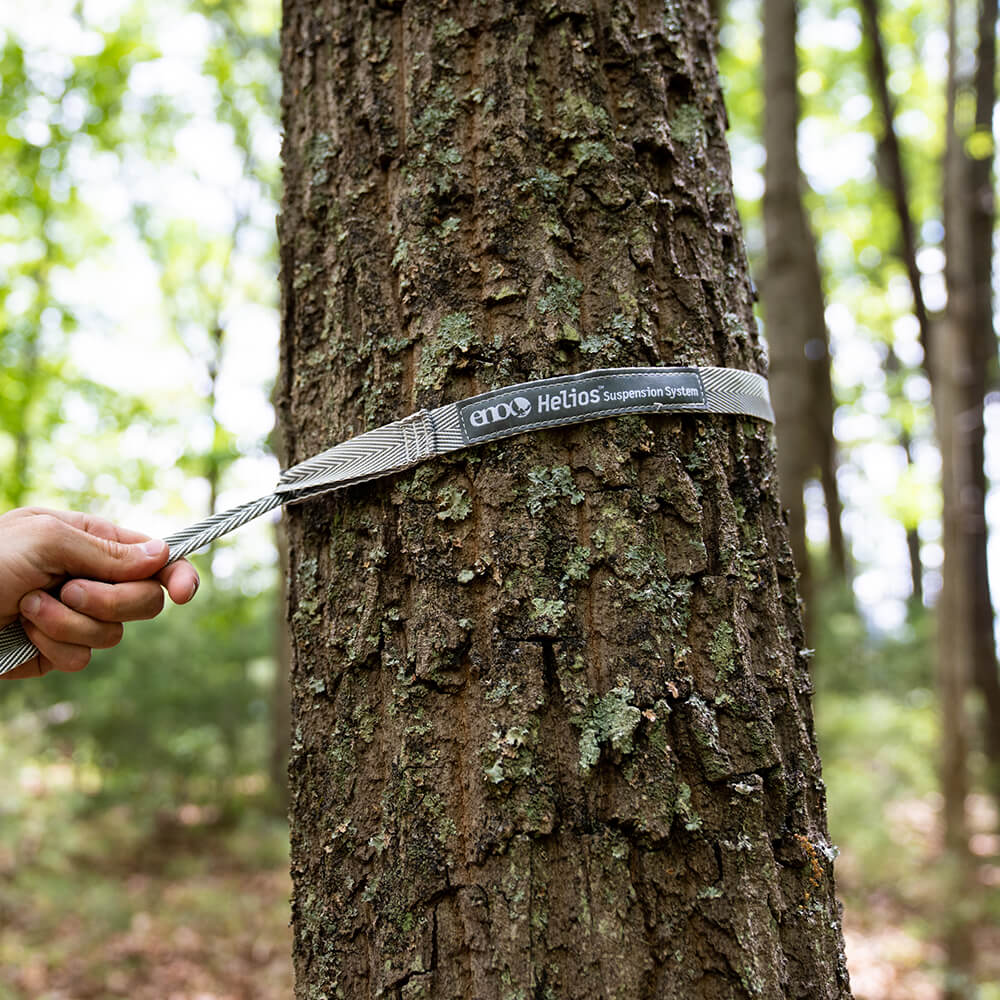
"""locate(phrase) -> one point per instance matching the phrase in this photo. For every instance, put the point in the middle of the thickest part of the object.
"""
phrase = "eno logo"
(517, 407)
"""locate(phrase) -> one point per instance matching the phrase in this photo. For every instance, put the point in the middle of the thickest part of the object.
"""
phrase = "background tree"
(552, 728)
(799, 351)
(964, 365)
(893, 176)
(962, 360)
(893, 73)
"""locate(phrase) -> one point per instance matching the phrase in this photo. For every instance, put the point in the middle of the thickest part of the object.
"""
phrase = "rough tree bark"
(794, 305)
(552, 724)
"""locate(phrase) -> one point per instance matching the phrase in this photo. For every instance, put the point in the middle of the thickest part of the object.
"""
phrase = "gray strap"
(502, 413)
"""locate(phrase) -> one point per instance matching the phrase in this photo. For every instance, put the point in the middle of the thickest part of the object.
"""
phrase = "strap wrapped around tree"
(531, 406)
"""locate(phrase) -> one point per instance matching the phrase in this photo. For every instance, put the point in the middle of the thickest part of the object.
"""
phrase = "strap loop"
(490, 416)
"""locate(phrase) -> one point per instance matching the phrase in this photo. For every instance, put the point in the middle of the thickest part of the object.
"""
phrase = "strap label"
(575, 398)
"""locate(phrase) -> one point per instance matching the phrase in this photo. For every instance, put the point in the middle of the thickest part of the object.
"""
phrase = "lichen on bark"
(553, 735)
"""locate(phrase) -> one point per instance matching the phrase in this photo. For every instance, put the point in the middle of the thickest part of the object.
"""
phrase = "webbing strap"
(502, 413)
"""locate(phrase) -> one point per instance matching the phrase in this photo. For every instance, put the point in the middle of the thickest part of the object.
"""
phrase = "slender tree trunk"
(794, 306)
(893, 177)
(970, 357)
(955, 668)
(958, 404)
(281, 692)
(981, 207)
(968, 361)
(893, 174)
(551, 711)
(892, 367)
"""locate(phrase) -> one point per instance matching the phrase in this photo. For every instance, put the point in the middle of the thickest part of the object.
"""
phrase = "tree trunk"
(980, 202)
(966, 365)
(281, 706)
(552, 731)
(957, 389)
(893, 177)
(793, 301)
(893, 173)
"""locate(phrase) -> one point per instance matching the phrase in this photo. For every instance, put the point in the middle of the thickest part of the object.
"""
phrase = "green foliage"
(852, 660)
(877, 725)
(105, 120)
(113, 906)
(55, 113)
(879, 754)
(178, 712)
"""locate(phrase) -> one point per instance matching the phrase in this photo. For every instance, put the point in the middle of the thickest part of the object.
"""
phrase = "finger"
(68, 550)
(181, 580)
(93, 525)
(55, 655)
(135, 601)
(65, 626)
(30, 668)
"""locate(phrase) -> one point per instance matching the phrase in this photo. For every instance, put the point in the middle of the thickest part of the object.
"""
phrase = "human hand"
(39, 548)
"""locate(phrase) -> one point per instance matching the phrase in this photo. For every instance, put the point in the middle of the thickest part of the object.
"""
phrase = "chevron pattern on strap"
(490, 416)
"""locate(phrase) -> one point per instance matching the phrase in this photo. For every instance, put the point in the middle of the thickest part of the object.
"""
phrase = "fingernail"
(31, 604)
(153, 547)
(73, 596)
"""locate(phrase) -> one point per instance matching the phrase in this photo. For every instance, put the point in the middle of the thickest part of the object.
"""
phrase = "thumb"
(71, 551)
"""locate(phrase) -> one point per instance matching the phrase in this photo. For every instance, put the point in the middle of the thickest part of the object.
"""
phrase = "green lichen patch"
(578, 117)
(441, 349)
(401, 254)
(508, 755)
(548, 486)
(611, 720)
(446, 30)
(692, 821)
(621, 330)
(577, 567)
(416, 485)
(438, 115)
(590, 152)
(318, 154)
(561, 297)
(454, 504)
(446, 160)
(448, 227)
(667, 599)
(544, 185)
(722, 649)
(501, 691)
(430, 137)
(686, 124)
(549, 614)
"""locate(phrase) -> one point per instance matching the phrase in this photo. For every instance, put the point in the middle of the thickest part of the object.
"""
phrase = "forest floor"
(195, 911)
(119, 901)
